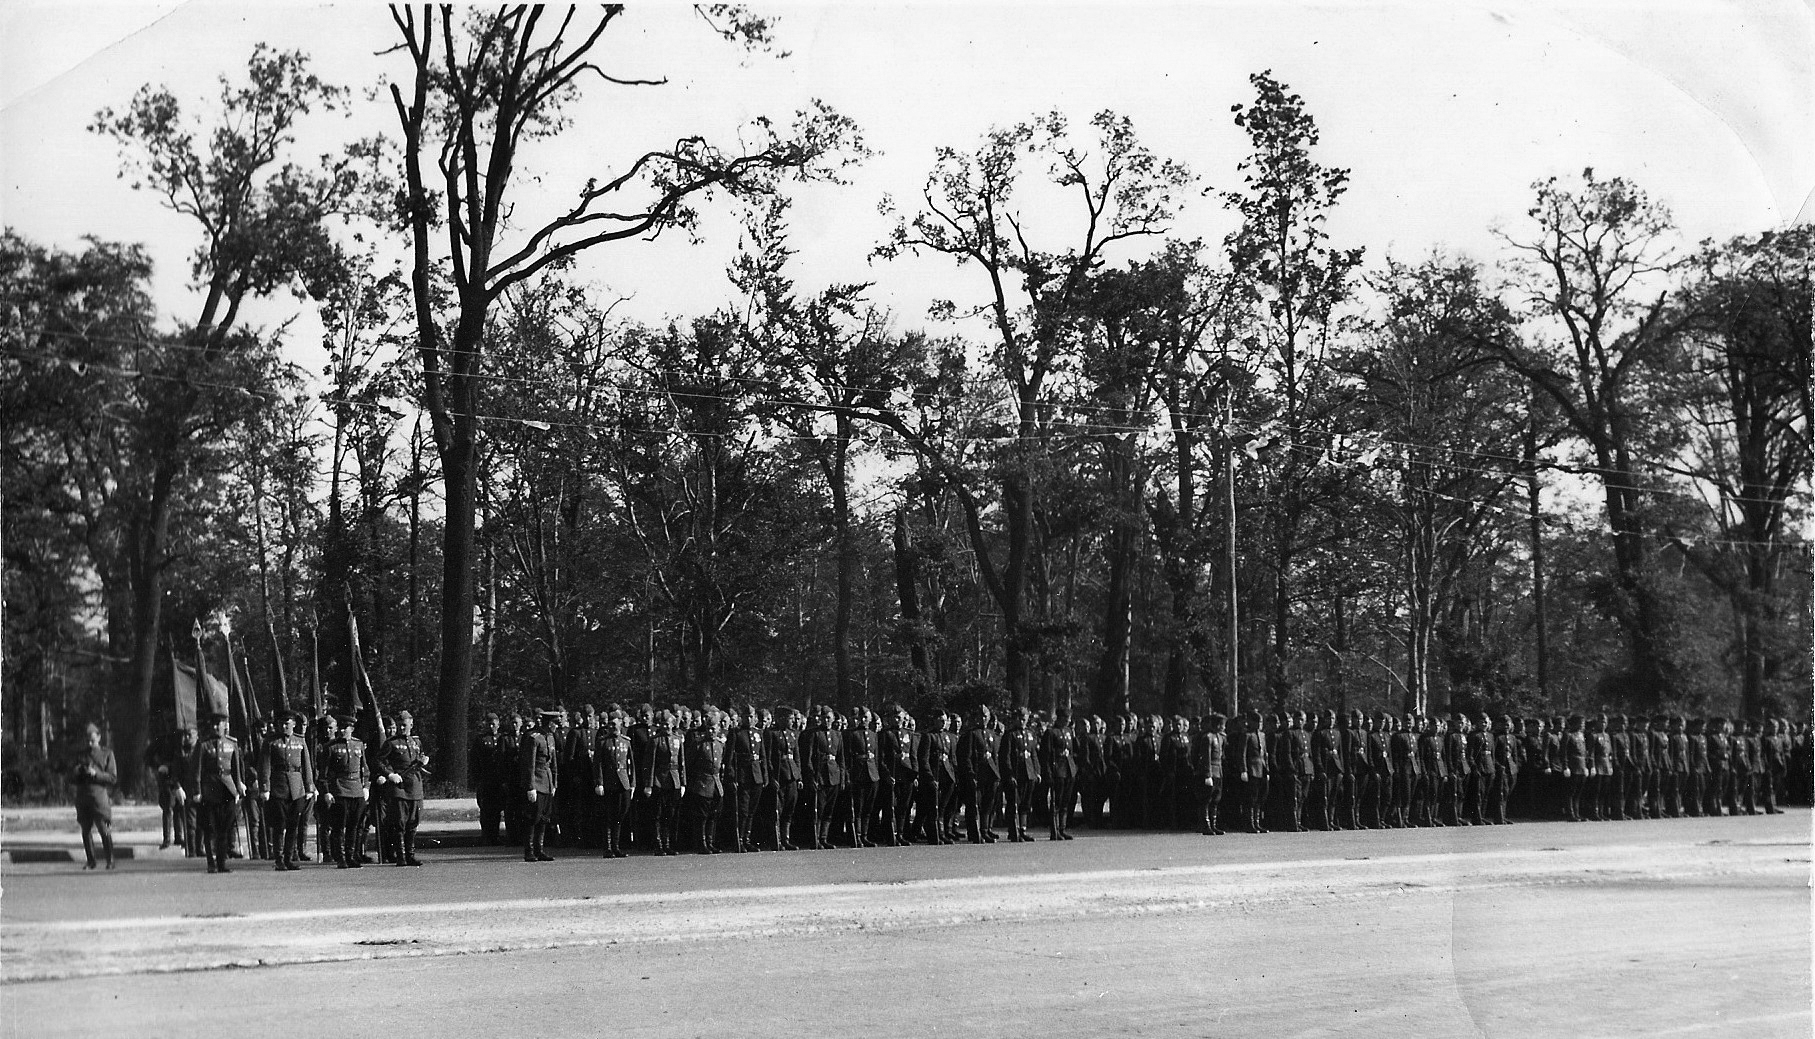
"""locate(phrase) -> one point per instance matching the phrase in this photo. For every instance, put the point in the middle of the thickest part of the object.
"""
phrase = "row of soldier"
(213, 790)
(702, 779)
(707, 778)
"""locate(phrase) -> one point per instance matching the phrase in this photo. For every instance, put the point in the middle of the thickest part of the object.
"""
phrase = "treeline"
(1125, 470)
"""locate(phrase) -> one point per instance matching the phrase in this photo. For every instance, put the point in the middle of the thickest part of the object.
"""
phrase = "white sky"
(1445, 110)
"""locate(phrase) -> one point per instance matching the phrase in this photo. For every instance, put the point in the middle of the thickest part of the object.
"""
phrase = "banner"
(188, 704)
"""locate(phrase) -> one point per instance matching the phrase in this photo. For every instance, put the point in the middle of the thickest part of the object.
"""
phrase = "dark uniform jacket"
(538, 762)
(1380, 753)
(1254, 754)
(862, 755)
(287, 768)
(1481, 751)
(1406, 759)
(1057, 755)
(492, 759)
(1020, 756)
(1326, 753)
(1090, 754)
(938, 757)
(1118, 754)
(1506, 754)
(749, 765)
(1638, 751)
(706, 765)
(1692, 751)
(92, 790)
(642, 751)
(1207, 757)
(1455, 753)
(403, 755)
(220, 774)
(1576, 759)
(669, 757)
(1431, 756)
(1298, 753)
(900, 755)
(1354, 746)
(613, 766)
(784, 755)
(977, 752)
(825, 757)
(1601, 750)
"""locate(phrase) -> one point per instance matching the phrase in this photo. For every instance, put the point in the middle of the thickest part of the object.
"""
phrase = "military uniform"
(286, 772)
(614, 781)
(668, 772)
(938, 784)
(220, 781)
(748, 772)
(347, 776)
(1059, 763)
(785, 774)
(900, 774)
(1209, 765)
(538, 777)
(824, 779)
(863, 769)
(1019, 755)
(705, 784)
(404, 758)
(491, 759)
(979, 771)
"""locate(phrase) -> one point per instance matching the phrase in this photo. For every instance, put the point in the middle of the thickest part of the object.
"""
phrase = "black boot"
(409, 850)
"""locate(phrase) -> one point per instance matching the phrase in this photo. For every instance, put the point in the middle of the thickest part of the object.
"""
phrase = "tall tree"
(1115, 191)
(1293, 280)
(474, 96)
(1606, 352)
(265, 224)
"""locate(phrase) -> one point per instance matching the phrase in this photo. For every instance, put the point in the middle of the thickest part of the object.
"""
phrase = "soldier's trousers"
(980, 808)
(402, 816)
(1328, 787)
(897, 805)
(217, 818)
(1061, 796)
(172, 814)
(1696, 793)
(1254, 802)
(1499, 791)
(1353, 783)
(1212, 803)
(1017, 797)
(667, 819)
(1298, 787)
(614, 808)
(784, 802)
(492, 802)
(821, 799)
(327, 828)
(1405, 784)
(350, 827)
(284, 816)
(863, 812)
(1632, 797)
(1573, 786)
(253, 811)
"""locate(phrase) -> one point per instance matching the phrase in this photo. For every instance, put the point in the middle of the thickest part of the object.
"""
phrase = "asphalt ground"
(1671, 927)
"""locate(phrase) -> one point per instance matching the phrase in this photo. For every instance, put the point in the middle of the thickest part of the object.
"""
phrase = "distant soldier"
(668, 779)
(491, 760)
(1408, 771)
(1209, 764)
(900, 773)
(167, 757)
(1435, 762)
(1118, 778)
(1636, 776)
(1695, 764)
(538, 777)
(94, 776)
(1356, 768)
(1720, 765)
(1505, 769)
(979, 771)
(220, 781)
(863, 772)
(347, 776)
(786, 773)
(705, 777)
(405, 764)
(824, 775)
(1378, 790)
(1253, 763)
(1578, 762)
(1300, 766)
(938, 779)
(642, 751)
(613, 781)
(286, 779)
(747, 776)
(1328, 769)
(1059, 763)
(1019, 754)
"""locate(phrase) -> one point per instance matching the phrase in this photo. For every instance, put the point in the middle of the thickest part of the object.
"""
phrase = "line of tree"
(1127, 471)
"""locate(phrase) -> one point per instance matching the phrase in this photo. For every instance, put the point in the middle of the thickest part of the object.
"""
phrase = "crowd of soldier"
(703, 779)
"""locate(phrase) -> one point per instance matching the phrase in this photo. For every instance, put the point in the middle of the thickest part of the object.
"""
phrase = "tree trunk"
(847, 564)
(907, 587)
(459, 467)
(149, 542)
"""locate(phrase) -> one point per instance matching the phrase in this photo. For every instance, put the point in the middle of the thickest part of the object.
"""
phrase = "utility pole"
(1229, 547)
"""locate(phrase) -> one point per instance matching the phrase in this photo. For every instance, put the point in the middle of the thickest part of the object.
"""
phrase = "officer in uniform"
(782, 747)
(668, 778)
(538, 776)
(220, 782)
(900, 773)
(167, 757)
(1379, 787)
(1019, 754)
(1505, 768)
(613, 780)
(406, 765)
(1408, 771)
(1059, 763)
(863, 770)
(1252, 764)
(286, 779)
(979, 772)
(824, 775)
(347, 776)
(705, 772)
(938, 769)
(491, 757)
(747, 772)
(94, 777)
(1209, 754)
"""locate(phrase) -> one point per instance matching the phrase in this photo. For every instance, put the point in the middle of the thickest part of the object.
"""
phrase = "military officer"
(405, 764)
(1209, 764)
(863, 771)
(613, 780)
(668, 778)
(979, 771)
(938, 779)
(538, 776)
(346, 776)
(900, 773)
(782, 744)
(825, 775)
(705, 777)
(286, 779)
(1019, 755)
(1059, 763)
(220, 781)
(747, 774)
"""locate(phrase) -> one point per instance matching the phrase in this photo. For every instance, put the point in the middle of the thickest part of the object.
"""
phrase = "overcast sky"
(1446, 111)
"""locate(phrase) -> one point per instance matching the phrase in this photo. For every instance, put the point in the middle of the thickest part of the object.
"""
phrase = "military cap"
(345, 717)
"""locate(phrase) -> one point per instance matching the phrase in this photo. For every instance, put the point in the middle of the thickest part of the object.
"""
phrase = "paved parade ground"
(1662, 928)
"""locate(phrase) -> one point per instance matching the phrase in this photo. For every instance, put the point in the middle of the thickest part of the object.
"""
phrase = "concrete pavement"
(1644, 928)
